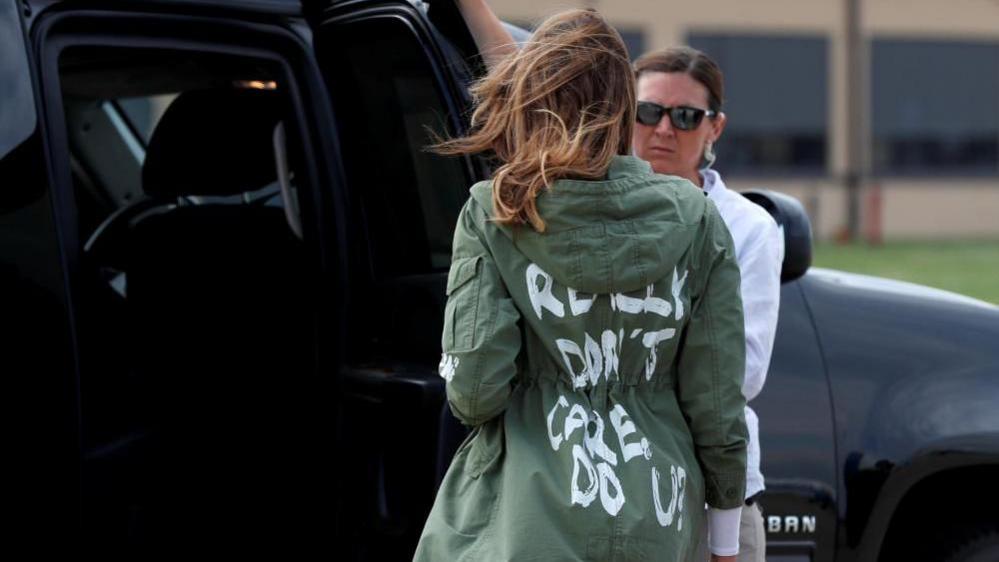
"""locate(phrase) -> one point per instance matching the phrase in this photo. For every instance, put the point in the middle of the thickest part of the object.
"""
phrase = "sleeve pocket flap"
(462, 271)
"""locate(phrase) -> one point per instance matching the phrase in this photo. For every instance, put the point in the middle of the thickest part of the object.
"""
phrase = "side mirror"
(794, 223)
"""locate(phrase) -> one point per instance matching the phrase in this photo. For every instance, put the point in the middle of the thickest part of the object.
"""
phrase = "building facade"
(923, 91)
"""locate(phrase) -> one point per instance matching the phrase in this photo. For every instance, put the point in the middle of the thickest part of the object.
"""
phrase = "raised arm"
(492, 39)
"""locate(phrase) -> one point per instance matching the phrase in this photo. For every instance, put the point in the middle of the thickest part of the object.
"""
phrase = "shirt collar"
(712, 183)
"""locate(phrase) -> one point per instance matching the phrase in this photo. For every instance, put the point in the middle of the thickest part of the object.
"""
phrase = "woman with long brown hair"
(593, 334)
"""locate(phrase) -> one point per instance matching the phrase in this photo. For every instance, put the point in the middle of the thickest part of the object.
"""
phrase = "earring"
(709, 155)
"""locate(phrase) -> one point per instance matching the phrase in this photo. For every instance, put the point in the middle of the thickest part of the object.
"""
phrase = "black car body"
(229, 339)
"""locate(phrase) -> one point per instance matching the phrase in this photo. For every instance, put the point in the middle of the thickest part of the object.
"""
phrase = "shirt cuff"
(723, 531)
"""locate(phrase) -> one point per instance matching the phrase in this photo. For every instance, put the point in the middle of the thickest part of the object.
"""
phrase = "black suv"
(222, 270)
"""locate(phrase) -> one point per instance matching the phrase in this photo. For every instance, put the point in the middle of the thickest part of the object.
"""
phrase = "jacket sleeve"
(482, 338)
(760, 266)
(711, 367)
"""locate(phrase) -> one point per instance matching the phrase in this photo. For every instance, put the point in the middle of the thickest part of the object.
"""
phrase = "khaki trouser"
(752, 537)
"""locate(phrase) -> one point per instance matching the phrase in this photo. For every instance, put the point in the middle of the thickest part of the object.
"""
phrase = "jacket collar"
(622, 166)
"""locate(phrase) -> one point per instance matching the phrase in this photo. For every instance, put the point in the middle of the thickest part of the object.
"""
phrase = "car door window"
(388, 107)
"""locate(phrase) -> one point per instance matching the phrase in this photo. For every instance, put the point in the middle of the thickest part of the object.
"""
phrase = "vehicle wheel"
(979, 546)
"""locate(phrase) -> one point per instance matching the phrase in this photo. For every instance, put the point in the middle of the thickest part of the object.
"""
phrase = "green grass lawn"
(967, 267)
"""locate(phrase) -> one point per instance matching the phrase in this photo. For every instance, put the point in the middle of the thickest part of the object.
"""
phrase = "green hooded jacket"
(600, 365)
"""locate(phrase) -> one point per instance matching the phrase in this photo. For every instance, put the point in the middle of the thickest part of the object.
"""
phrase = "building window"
(776, 101)
(934, 107)
(634, 40)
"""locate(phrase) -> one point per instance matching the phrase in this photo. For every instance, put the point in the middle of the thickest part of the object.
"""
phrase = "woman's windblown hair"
(561, 107)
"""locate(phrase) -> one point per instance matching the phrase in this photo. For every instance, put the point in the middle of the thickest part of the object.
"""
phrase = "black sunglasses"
(681, 117)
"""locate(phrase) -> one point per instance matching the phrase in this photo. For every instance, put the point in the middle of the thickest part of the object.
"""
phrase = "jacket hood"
(616, 235)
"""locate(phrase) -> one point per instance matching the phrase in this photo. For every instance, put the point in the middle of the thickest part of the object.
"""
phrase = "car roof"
(271, 7)
(280, 7)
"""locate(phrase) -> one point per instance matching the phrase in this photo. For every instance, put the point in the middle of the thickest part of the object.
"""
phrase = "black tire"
(981, 545)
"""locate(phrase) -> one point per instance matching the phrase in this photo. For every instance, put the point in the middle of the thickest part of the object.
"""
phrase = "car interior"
(197, 337)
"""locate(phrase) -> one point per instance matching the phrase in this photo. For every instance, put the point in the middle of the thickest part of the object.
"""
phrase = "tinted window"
(935, 107)
(387, 103)
(776, 100)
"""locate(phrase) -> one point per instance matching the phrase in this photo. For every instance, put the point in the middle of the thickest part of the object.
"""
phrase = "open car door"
(395, 81)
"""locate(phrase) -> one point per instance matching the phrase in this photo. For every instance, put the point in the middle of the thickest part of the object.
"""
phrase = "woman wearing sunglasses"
(679, 114)
(593, 332)
(679, 119)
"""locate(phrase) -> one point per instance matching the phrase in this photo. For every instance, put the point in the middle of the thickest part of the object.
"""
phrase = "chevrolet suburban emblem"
(791, 524)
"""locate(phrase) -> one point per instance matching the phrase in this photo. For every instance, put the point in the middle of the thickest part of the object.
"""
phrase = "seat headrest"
(793, 221)
(213, 142)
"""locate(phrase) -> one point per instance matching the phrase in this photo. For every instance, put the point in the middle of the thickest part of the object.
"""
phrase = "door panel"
(797, 441)
(391, 101)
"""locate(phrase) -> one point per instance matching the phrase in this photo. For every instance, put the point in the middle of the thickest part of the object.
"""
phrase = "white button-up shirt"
(759, 249)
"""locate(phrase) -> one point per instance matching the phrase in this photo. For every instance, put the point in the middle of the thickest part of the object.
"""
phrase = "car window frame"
(58, 31)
